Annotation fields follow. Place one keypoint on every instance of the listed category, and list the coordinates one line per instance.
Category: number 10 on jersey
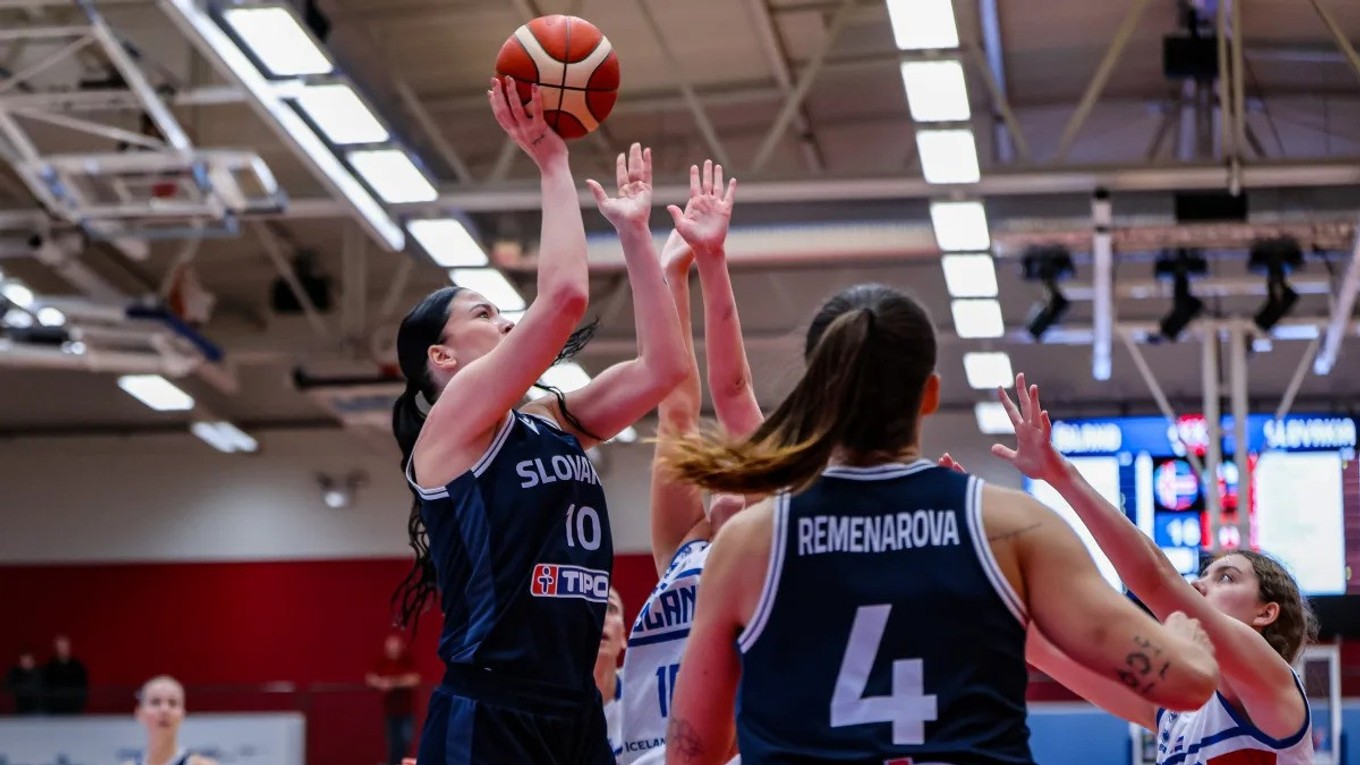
(665, 686)
(585, 522)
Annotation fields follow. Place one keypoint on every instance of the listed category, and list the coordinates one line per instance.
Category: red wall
(225, 629)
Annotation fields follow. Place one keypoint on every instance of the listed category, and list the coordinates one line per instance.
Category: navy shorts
(479, 718)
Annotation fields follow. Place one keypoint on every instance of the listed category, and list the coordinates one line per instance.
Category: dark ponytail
(869, 352)
(574, 345)
(420, 329)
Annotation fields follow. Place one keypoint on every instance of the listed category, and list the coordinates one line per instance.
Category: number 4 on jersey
(908, 708)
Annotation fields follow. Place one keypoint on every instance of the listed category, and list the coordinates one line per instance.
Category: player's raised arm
(623, 393)
(704, 224)
(1257, 673)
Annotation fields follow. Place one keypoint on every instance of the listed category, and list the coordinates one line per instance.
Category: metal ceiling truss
(129, 186)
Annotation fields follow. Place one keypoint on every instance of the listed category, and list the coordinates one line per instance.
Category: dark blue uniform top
(522, 545)
(885, 631)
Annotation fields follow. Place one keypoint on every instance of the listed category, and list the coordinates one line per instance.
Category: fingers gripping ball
(574, 66)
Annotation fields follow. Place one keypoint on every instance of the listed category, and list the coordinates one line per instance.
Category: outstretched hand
(525, 125)
(1033, 454)
(633, 205)
(706, 216)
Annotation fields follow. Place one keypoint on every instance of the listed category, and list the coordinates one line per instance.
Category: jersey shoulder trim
(779, 529)
(973, 512)
(1250, 728)
(477, 469)
(883, 472)
(685, 549)
(552, 422)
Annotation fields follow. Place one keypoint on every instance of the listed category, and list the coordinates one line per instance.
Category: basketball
(574, 66)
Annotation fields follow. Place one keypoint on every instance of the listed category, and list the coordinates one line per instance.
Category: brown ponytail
(869, 352)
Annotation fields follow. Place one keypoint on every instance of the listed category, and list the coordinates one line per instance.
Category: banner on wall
(231, 739)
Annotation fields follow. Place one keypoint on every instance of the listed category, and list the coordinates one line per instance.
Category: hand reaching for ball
(524, 124)
(633, 205)
(704, 222)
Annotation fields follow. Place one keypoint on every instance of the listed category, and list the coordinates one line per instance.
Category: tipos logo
(553, 581)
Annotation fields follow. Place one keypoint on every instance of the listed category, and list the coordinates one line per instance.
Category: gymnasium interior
(214, 213)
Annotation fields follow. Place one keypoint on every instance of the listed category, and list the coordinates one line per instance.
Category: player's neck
(847, 458)
(160, 750)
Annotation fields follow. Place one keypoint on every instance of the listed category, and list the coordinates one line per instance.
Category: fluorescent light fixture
(224, 437)
(960, 226)
(1295, 331)
(18, 319)
(212, 41)
(448, 242)
(977, 318)
(156, 392)
(936, 91)
(992, 418)
(971, 275)
(341, 114)
(18, 294)
(923, 24)
(51, 317)
(392, 175)
(626, 436)
(988, 370)
(948, 156)
(278, 41)
(493, 286)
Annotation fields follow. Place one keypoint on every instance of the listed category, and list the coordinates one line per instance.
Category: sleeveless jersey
(522, 547)
(1217, 734)
(886, 632)
(652, 663)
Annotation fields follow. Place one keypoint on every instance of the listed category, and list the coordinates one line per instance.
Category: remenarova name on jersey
(559, 467)
(820, 534)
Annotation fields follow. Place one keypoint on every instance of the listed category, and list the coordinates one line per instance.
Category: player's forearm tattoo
(682, 739)
(1144, 666)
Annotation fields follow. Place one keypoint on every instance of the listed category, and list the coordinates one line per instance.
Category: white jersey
(1217, 734)
(652, 663)
(613, 714)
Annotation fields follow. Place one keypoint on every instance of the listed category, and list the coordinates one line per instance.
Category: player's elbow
(568, 299)
(1195, 682)
(666, 371)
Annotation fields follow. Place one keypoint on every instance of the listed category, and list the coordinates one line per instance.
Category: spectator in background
(608, 677)
(24, 683)
(395, 675)
(65, 681)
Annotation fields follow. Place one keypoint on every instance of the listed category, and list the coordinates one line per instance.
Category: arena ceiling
(1063, 101)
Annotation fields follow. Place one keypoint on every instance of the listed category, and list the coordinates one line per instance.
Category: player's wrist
(555, 164)
(633, 227)
(1060, 472)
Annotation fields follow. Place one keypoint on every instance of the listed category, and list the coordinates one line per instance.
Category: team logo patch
(554, 581)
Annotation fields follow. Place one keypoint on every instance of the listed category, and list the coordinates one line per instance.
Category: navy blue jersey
(522, 546)
(885, 632)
